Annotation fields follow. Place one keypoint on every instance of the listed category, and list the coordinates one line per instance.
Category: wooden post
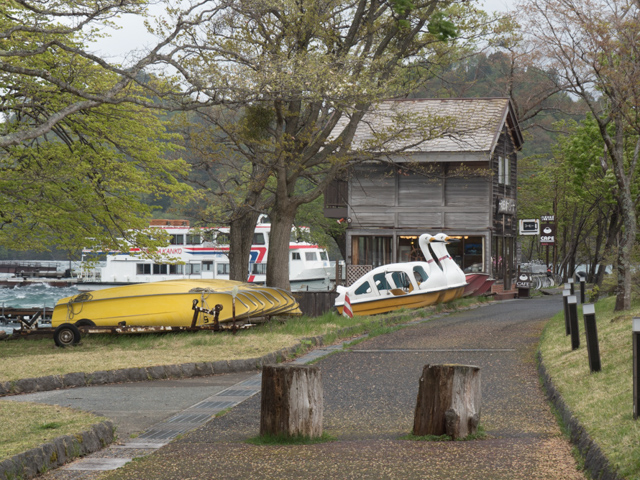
(292, 403)
(449, 400)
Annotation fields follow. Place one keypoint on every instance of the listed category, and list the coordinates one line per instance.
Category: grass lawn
(603, 401)
(27, 425)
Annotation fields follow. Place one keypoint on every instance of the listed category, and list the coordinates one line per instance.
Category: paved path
(370, 393)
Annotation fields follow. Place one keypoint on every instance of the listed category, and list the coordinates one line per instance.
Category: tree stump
(449, 401)
(291, 403)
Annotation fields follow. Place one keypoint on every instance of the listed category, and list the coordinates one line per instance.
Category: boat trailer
(67, 334)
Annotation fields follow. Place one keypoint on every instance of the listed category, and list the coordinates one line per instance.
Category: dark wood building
(459, 178)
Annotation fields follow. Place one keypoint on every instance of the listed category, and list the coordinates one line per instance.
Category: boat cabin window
(324, 256)
(160, 269)
(176, 239)
(194, 239)
(222, 239)
(310, 256)
(207, 266)
(258, 239)
(420, 274)
(192, 268)
(143, 269)
(176, 269)
(259, 268)
(295, 256)
(381, 281)
(364, 288)
(223, 269)
(400, 279)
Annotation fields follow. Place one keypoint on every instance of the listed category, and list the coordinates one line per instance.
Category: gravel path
(370, 394)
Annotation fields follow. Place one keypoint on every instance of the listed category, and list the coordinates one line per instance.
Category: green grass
(603, 401)
(27, 425)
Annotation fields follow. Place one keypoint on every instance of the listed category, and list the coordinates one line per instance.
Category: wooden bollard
(291, 402)
(449, 401)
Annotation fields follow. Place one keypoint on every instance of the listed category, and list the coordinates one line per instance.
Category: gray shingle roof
(433, 125)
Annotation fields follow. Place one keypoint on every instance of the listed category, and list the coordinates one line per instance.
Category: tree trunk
(449, 400)
(291, 403)
(278, 257)
(240, 239)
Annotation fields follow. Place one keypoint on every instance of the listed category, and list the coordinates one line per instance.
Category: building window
(223, 269)
(295, 255)
(143, 269)
(370, 250)
(193, 268)
(504, 174)
(310, 256)
(324, 256)
(207, 266)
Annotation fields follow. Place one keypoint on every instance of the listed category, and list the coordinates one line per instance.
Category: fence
(315, 304)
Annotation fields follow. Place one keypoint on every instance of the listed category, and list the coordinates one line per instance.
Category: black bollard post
(636, 365)
(572, 303)
(571, 286)
(582, 288)
(591, 332)
(565, 296)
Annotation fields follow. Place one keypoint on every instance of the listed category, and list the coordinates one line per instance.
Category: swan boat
(407, 285)
(172, 303)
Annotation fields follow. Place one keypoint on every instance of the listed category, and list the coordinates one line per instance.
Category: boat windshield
(362, 289)
(420, 274)
(381, 282)
(401, 279)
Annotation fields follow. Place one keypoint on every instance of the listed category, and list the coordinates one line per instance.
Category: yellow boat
(170, 303)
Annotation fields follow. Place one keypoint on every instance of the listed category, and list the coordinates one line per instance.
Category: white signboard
(530, 227)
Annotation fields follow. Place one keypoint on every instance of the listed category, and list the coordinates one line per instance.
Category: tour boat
(199, 253)
(404, 285)
(171, 302)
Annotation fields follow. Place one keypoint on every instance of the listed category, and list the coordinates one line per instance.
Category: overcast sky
(134, 35)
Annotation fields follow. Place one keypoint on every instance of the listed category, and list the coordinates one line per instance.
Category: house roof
(433, 125)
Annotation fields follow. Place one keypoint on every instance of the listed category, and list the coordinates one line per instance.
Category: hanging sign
(548, 234)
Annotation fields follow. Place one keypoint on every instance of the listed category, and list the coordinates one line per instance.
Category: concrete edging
(57, 452)
(595, 462)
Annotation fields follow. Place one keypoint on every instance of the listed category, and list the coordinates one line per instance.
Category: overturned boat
(173, 303)
(406, 285)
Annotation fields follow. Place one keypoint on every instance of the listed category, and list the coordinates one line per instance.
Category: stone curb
(57, 452)
(595, 461)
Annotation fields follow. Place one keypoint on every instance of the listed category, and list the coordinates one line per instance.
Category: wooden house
(457, 176)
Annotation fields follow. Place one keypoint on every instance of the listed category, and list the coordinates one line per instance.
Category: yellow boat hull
(390, 303)
(171, 303)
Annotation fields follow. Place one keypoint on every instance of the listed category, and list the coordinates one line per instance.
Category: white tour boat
(201, 253)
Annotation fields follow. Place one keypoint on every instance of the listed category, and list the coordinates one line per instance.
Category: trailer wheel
(85, 322)
(66, 334)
